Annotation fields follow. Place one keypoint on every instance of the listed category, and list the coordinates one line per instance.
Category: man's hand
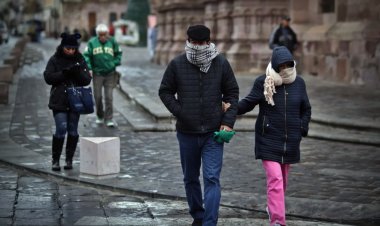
(226, 128)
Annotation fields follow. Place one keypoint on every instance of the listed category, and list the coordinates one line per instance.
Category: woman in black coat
(284, 116)
(65, 68)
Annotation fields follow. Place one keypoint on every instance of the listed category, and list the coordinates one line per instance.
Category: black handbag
(80, 99)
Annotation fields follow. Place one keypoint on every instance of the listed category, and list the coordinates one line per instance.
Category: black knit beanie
(198, 33)
(280, 55)
(70, 41)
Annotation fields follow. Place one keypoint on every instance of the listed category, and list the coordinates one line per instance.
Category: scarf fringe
(274, 79)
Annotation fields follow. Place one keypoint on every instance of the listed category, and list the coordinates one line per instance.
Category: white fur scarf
(274, 79)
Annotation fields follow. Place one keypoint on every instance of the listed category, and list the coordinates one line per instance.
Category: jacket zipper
(263, 125)
(286, 132)
(201, 98)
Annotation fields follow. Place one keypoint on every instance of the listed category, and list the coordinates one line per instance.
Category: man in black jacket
(284, 35)
(193, 87)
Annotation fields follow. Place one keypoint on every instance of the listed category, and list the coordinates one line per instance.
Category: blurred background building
(339, 39)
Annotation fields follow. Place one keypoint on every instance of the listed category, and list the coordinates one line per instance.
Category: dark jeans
(65, 122)
(194, 150)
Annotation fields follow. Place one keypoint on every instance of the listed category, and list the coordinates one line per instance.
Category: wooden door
(92, 23)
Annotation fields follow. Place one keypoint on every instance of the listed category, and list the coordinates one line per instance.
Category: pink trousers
(277, 177)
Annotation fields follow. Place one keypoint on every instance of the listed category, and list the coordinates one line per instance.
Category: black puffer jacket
(198, 106)
(279, 128)
(283, 36)
(59, 80)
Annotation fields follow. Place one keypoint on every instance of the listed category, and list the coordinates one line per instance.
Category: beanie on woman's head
(70, 41)
(280, 55)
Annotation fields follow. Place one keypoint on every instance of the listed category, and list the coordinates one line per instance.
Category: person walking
(192, 88)
(103, 55)
(284, 116)
(65, 68)
(283, 35)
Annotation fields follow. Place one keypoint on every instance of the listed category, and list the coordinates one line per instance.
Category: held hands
(225, 134)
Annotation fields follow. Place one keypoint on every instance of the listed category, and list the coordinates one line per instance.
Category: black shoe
(197, 222)
(69, 165)
(55, 166)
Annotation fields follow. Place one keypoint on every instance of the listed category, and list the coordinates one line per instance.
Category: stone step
(151, 115)
(138, 117)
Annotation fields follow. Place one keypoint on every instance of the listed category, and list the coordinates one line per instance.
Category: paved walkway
(336, 181)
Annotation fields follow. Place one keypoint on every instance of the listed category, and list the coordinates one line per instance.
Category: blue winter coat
(279, 128)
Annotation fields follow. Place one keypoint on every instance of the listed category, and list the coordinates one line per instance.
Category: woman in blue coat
(284, 116)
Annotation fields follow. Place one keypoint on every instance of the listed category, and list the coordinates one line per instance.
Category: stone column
(210, 15)
(224, 25)
(265, 17)
(179, 36)
(160, 36)
(185, 15)
(169, 26)
(239, 52)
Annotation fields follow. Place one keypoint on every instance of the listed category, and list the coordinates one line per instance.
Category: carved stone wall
(341, 43)
(75, 14)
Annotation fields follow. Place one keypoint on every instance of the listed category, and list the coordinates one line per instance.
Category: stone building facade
(84, 15)
(339, 39)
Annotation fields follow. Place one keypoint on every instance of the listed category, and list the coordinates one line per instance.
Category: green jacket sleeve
(88, 55)
(117, 53)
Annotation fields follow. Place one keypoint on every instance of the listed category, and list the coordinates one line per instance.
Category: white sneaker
(110, 123)
(99, 120)
(266, 208)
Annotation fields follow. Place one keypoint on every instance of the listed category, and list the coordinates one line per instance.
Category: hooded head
(285, 20)
(281, 55)
(199, 33)
(70, 41)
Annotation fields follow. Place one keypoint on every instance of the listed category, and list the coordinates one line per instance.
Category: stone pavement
(336, 181)
(32, 199)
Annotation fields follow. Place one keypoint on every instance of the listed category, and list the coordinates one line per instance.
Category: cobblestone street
(336, 182)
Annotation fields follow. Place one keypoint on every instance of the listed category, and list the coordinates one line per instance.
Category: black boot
(71, 146)
(56, 152)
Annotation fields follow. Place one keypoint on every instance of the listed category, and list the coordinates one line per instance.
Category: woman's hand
(225, 106)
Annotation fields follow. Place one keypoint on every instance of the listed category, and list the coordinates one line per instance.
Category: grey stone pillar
(184, 16)
(239, 53)
(224, 25)
(210, 17)
(169, 34)
(265, 17)
(160, 36)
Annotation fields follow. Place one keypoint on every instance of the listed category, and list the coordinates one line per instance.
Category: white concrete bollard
(99, 155)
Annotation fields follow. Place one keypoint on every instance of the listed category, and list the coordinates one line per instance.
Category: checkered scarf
(201, 56)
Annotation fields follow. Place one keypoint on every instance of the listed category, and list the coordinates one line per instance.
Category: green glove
(223, 136)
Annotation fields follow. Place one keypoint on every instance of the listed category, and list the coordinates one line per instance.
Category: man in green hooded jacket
(102, 55)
